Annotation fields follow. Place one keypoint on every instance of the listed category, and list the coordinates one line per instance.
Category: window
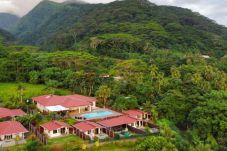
(8, 137)
(55, 131)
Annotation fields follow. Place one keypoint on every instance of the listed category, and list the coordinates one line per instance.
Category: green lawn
(115, 146)
(64, 140)
(72, 142)
(8, 91)
(16, 148)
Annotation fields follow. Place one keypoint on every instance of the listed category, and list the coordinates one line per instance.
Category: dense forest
(146, 56)
(133, 25)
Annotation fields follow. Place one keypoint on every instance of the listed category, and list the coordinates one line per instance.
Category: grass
(115, 146)
(66, 139)
(8, 91)
(16, 148)
(64, 143)
(72, 142)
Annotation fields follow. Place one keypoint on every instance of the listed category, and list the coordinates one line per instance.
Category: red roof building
(61, 103)
(86, 126)
(55, 128)
(117, 121)
(54, 125)
(87, 129)
(4, 112)
(11, 129)
(137, 114)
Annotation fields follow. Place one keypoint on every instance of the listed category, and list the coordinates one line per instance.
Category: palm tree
(103, 93)
(21, 89)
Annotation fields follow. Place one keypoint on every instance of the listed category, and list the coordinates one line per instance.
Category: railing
(136, 130)
(123, 138)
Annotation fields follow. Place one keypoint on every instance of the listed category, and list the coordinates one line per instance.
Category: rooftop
(4, 112)
(64, 101)
(86, 126)
(54, 125)
(11, 127)
(117, 121)
(134, 112)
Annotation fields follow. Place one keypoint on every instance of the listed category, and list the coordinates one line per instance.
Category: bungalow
(12, 130)
(139, 114)
(87, 128)
(4, 112)
(121, 123)
(71, 104)
(54, 129)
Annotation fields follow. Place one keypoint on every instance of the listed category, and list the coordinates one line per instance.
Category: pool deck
(98, 110)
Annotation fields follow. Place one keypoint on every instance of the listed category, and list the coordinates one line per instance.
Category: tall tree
(103, 93)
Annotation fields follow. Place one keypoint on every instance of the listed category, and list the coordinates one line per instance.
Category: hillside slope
(8, 20)
(34, 19)
(6, 36)
(129, 25)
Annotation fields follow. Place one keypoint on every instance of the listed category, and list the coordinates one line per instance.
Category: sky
(214, 9)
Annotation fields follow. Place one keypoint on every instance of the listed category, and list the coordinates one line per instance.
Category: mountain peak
(75, 2)
(141, 2)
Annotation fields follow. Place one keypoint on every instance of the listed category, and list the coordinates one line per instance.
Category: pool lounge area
(97, 114)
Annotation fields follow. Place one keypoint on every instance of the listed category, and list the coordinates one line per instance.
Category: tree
(124, 103)
(103, 93)
(34, 77)
(155, 143)
(209, 118)
(175, 73)
(150, 108)
(21, 89)
(173, 106)
(203, 147)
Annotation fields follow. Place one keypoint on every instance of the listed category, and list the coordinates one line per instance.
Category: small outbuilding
(55, 129)
(87, 129)
(139, 114)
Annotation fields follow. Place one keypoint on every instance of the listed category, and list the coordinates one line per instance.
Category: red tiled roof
(54, 125)
(133, 113)
(18, 112)
(86, 126)
(65, 101)
(121, 120)
(11, 127)
(4, 112)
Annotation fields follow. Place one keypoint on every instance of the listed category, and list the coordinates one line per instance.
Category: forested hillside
(5, 36)
(143, 26)
(8, 20)
(35, 19)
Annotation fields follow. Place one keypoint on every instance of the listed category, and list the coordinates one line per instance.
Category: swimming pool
(97, 114)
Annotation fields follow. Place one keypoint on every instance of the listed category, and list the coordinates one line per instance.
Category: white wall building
(55, 129)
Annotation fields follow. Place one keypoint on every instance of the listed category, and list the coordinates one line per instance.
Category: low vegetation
(12, 93)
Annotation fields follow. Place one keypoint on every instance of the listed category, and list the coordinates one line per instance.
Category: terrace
(122, 125)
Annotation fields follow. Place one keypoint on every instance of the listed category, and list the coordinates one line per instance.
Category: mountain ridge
(8, 20)
(167, 27)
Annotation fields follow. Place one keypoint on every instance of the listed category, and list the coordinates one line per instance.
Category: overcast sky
(214, 9)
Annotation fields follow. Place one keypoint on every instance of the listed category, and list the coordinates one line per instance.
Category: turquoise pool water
(98, 114)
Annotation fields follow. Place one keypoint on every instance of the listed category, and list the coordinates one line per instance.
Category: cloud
(19, 7)
(214, 9)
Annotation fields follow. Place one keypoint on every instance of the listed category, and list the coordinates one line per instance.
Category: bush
(117, 136)
(33, 145)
